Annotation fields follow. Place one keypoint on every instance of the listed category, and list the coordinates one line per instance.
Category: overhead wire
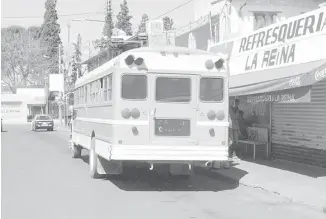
(60, 15)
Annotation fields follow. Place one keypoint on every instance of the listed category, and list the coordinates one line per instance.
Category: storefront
(279, 75)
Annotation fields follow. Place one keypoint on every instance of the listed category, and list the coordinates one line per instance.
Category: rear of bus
(172, 108)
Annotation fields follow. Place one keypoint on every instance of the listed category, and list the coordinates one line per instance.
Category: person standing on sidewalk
(234, 129)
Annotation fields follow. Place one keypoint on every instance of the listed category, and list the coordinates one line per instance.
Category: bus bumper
(168, 153)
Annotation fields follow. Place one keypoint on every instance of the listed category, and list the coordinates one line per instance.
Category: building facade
(239, 17)
(297, 131)
(26, 101)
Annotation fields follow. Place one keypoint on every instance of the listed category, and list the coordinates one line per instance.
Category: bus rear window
(211, 89)
(134, 87)
(173, 89)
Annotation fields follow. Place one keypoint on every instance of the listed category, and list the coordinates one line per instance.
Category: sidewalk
(297, 182)
(60, 127)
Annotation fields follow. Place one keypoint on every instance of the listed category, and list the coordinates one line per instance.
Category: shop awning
(250, 84)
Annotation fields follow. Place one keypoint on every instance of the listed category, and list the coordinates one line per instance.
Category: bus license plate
(172, 127)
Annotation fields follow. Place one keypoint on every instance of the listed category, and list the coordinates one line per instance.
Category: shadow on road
(142, 179)
(44, 130)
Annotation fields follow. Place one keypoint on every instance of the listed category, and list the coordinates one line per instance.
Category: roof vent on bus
(209, 64)
(139, 61)
(219, 63)
(130, 60)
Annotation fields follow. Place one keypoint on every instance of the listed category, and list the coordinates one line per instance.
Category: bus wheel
(93, 160)
(76, 151)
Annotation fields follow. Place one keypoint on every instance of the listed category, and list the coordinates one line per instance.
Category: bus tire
(93, 158)
(76, 151)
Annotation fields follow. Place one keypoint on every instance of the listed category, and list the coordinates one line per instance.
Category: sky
(32, 12)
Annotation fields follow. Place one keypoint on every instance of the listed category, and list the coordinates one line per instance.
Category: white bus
(156, 106)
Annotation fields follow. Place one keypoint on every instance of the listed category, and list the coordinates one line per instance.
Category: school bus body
(153, 105)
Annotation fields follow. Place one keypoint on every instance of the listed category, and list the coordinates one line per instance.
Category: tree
(104, 42)
(142, 26)
(108, 26)
(50, 36)
(168, 23)
(76, 70)
(21, 58)
(123, 19)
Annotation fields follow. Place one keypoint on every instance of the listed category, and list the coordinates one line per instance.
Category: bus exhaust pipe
(209, 164)
(151, 166)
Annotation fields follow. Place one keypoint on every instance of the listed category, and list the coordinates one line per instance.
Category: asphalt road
(41, 180)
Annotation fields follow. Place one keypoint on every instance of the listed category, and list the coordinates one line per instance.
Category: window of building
(263, 19)
(215, 28)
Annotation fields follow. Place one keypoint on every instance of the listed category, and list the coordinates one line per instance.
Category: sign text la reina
(303, 25)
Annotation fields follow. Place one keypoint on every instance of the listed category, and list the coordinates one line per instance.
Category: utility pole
(61, 92)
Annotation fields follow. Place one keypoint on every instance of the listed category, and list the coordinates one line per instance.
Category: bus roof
(103, 69)
(171, 49)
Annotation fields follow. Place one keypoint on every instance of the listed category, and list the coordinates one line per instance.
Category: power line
(60, 15)
(173, 9)
(93, 13)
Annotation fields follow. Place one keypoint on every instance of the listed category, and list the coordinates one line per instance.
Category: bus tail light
(126, 113)
(134, 130)
(211, 115)
(135, 113)
(220, 115)
(139, 61)
(130, 60)
(219, 63)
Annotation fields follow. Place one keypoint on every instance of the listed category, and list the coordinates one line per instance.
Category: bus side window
(86, 93)
(105, 94)
(91, 92)
(109, 89)
(77, 96)
(81, 95)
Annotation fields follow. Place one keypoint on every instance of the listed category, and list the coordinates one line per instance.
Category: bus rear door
(173, 110)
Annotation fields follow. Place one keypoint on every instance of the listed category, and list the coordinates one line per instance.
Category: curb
(243, 183)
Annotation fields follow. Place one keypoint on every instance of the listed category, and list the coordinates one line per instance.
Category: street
(41, 180)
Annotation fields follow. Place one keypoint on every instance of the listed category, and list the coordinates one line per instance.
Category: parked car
(42, 122)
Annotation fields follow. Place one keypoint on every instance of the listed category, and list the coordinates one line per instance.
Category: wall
(196, 38)
(299, 129)
(32, 96)
(13, 108)
(235, 24)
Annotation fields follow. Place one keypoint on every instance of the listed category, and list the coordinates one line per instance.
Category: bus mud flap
(109, 167)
